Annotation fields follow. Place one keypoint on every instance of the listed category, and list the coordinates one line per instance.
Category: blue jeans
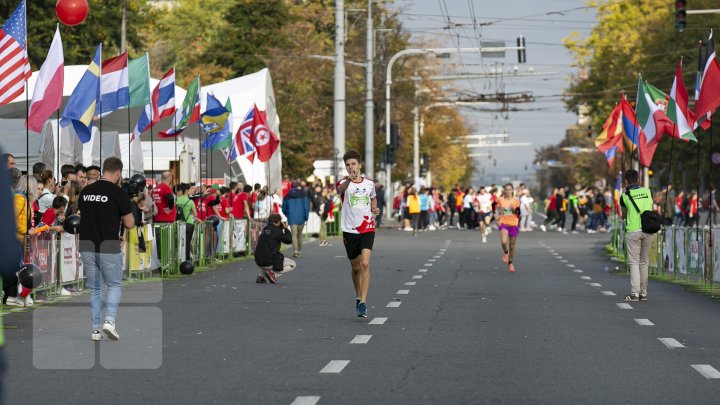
(107, 269)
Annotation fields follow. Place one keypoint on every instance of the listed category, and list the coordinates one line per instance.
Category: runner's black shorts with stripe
(356, 242)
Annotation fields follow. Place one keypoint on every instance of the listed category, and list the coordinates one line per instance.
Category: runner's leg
(512, 249)
(365, 268)
(357, 275)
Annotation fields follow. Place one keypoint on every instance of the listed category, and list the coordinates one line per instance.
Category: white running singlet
(356, 213)
(484, 202)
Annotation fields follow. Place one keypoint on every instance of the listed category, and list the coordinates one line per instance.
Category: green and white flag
(139, 78)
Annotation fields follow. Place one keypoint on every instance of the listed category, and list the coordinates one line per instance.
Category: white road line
(560, 257)
(595, 284)
(411, 283)
(418, 277)
(706, 370)
(644, 322)
(305, 401)
(671, 343)
(360, 339)
(577, 271)
(431, 260)
(586, 277)
(377, 321)
(443, 250)
(428, 264)
(436, 257)
(335, 366)
(403, 292)
(423, 270)
(570, 265)
(624, 305)
(393, 304)
(608, 293)
(563, 261)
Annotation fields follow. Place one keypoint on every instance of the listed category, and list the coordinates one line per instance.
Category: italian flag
(678, 111)
(650, 111)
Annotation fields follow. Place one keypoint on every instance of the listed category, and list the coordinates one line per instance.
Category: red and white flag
(264, 140)
(709, 97)
(14, 63)
(47, 95)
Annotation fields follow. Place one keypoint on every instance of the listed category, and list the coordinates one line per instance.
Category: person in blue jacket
(297, 210)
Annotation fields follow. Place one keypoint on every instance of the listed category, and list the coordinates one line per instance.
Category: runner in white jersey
(483, 201)
(359, 207)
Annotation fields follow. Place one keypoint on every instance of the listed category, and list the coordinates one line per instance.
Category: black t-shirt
(102, 205)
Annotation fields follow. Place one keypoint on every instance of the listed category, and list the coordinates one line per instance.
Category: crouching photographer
(105, 208)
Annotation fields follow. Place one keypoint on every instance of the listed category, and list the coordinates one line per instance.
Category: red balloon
(71, 12)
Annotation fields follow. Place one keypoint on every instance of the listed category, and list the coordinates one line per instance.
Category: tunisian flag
(48, 91)
(264, 140)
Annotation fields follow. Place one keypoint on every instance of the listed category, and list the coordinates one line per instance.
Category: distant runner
(508, 211)
(484, 208)
(359, 208)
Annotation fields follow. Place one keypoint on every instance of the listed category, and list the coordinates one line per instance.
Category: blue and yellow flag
(80, 108)
(215, 115)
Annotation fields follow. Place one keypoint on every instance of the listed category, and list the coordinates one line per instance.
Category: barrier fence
(153, 250)
(682, 254)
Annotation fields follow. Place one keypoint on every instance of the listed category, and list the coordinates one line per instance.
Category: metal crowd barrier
(681, 254)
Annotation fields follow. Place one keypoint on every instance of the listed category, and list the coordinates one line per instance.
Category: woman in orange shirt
(508, 215)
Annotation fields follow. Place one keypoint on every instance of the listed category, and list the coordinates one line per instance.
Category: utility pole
(123, 28)
(369, 105)
(339, 99)
(416, 131)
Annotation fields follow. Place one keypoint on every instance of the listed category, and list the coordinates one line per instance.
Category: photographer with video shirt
(104, 208)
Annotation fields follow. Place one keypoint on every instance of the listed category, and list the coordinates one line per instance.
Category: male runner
(359, 207)
(484, 204)
(508, 211)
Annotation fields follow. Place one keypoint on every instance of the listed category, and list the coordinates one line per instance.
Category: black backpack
(650, 221)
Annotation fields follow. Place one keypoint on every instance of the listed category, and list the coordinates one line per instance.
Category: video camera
(135, 185)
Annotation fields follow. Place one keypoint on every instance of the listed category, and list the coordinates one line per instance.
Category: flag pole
(667, 190)
(100, 102)
(697, 204)
(130, 134)
(712, 207)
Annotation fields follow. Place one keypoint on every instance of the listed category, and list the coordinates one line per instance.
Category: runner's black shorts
(356, 242)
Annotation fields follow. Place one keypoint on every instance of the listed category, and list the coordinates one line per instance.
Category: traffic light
(680, 15)
(424, 164)
(395, 136)
(390, 155)
(521, 52)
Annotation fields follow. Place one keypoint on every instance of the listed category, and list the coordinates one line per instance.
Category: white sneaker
(458, 226)
(110, 331)
(65, 292)
(484, 239)
(15, 301)
(96, 335)
(559, 229)
(29, 301)
(432, 228)
(408, 229)
(544, 229)
(574, 232)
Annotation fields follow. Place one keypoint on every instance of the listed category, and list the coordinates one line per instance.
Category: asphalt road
(447, 325)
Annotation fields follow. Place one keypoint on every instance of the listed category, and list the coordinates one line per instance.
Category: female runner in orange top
(508, 213)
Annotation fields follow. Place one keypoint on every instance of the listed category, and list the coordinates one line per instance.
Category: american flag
(14, 64)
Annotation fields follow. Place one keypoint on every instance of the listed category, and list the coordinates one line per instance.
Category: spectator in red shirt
(225, 208)
(286, 185)
(241, 206)
(165, 200)
(54, 217)
(253, 197)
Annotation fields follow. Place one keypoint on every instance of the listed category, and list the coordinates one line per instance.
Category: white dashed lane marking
(403, 292)
(671, 343)
(624, 305)
(563, 261)
(586, 277)
(418, 277)
(644, 322)
(570, 265)
(577, 271)
(305, 401)
(360, 339)
(595, 284)
(706, 370)
(393, 304)
(335, 366)
(431, 260)
(423, 270)
(377, 321)
(436, 257)
(428, 264)
(608, 293)
(411, 283)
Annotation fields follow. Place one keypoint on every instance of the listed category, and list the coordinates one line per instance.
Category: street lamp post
(369, 105)
(388, 84)
(339, 99)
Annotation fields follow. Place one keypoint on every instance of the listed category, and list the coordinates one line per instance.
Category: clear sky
(544, 23)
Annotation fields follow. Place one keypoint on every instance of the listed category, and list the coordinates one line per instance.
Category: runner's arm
(373, 206)
(343, 185)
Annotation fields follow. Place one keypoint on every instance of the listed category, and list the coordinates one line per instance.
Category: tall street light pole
(388, 84)
(339, 99)
(369, 105)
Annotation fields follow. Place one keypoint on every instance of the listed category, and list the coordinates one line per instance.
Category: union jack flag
(241, 144)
